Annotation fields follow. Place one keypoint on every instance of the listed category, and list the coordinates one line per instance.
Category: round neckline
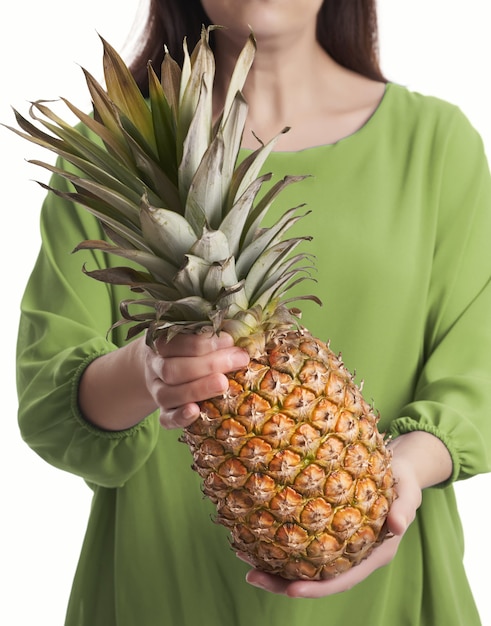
(355, 135)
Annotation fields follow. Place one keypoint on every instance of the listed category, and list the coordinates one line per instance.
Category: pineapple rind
(293, 460)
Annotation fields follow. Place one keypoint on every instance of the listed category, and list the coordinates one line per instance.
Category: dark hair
(346, 29)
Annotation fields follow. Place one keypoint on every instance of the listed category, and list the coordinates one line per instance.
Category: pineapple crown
(163, 180)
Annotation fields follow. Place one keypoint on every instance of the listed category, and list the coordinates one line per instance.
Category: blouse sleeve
(452, 397)
(65, 318)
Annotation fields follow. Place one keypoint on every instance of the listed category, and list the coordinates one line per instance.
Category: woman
(401, 198)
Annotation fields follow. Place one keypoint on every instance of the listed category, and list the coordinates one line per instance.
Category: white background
(437, 47)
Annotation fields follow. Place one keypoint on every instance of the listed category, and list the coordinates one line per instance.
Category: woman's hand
(188, 369)
(119, 389)
(414, 468)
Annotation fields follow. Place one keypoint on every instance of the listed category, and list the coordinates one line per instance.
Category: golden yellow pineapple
(293, 460)
(291, 454)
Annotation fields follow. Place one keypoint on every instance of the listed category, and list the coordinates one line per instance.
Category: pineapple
(290, 455)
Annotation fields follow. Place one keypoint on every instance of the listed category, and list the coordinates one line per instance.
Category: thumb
(404, 507)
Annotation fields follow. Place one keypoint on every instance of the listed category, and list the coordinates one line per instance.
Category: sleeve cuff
(403, 425)
(77, 413)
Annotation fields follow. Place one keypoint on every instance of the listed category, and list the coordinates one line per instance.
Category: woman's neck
(295, 83)
(279, 84)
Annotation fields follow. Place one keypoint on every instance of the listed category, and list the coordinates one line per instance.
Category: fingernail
(223, 340)
(188, 414)
(218, 386)
(239, 359)
(254, 583)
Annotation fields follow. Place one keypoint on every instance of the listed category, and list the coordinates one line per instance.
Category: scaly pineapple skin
(293, 460)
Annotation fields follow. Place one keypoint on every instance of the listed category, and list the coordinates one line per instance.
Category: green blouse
(401, 218)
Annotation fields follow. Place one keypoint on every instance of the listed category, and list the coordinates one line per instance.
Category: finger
(193, 344)
(401, 515)
(181, 417)
(403, 510)
(171, 397)
(183, 369)
(273, 584)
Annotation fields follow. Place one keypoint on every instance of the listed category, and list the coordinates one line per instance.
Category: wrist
(427, 455)
(113, 394)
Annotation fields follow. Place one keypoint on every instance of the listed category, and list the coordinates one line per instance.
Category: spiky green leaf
(74, 142)
(125, 93)
(104, 213)
(124, 205)
(234, 222)
(160, 269)
(240, 73)
(197, 69)
(204, 201)
(106, 113)
(232, 131)
(170, 78)
(168, 234)
(268, 259)
(189, 279)
(163, 126)
(212, 246)
(265, 238)
(196, 142)
(260, 210)
(250, 168)
(221, 276)
(154, 176)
